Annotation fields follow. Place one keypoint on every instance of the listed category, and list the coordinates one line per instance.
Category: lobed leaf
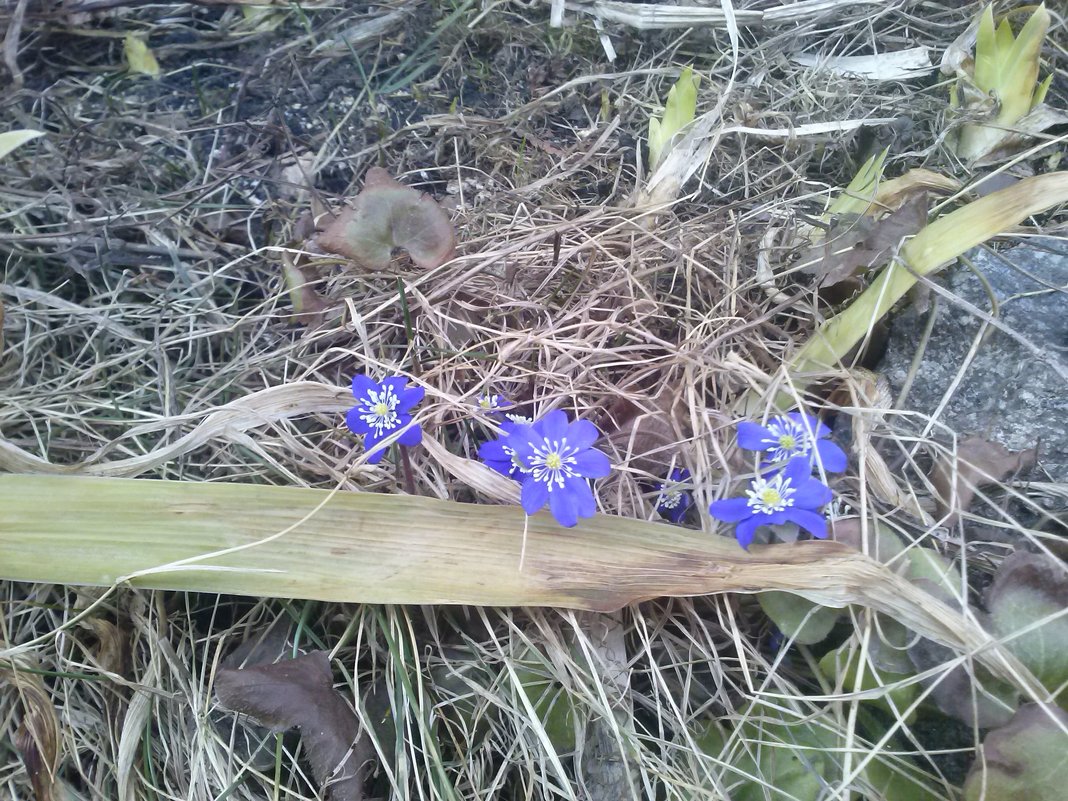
(1027, 758)
(976, 461)
(388, 215)
(300, 693)
(1027, 604)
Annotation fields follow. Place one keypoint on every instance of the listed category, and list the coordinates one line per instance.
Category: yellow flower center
(380, 409)
(787, 442)
(553, 461)
(770, 497)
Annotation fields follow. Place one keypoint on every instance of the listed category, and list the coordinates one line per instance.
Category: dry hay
(144, 299)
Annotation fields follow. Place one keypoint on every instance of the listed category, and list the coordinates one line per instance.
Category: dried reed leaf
(300, 693)
(222, 423)
(270, 541)
(9, 140)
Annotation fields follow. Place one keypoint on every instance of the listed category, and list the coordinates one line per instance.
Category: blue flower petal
(412, 435)
(812, 522)
(730, 510)
(583, 495)
(553, 425)
(752, 437)
(592, 463)
(811, 424)
(407, 398)
(798, 470)
(745, 530)
(534, 495)
(494, 449)
(812, 494)
(362, 386)
(562, 505)
(833, 458)
(374, 450)
(582, 434)
(355, 423)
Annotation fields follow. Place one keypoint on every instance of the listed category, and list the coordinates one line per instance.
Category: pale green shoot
(679, 111)
(1004, 73)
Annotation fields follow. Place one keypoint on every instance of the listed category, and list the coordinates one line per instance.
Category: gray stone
(1013, 392)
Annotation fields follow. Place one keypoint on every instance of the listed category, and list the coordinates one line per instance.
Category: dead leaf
(300, 692)
(387, 215)
(644, 439)
(978, 462)
(308, 305)
(856, 243)
(37, 737)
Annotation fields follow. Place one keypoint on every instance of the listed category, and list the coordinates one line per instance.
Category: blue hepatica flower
(789, 495)
(383, 409)
(500, 455)
(791, 435)
(672, 502)
(559, 460)
(493, 403)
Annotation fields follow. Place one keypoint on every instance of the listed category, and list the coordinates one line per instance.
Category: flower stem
(406, 466)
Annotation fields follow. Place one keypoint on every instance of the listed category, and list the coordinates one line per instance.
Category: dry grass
(142, 289)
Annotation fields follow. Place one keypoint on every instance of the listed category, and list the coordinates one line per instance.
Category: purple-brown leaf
(300, 692)
(857, 243)
(978, 461)
(387, 215)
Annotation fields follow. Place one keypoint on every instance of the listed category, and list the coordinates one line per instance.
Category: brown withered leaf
(856, 243)
(645, 439)
(387, 215)
(37, 737)
(300, 692)
(978, 462)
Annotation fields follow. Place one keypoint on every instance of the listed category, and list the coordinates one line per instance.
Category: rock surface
(1010, 392)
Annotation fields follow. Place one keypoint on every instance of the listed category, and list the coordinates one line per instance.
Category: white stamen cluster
(767, 496)
(553, 462)
(789, 438)
(669, 499)
(380, 410)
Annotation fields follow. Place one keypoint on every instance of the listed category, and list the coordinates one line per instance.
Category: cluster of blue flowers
(554, 460)
(784, 490)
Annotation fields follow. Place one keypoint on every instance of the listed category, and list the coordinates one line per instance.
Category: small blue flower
(560, 460)
(672, 502)
(790, 435)
(500, 455)
(382, 410)
(493, 403)
(789, 495)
